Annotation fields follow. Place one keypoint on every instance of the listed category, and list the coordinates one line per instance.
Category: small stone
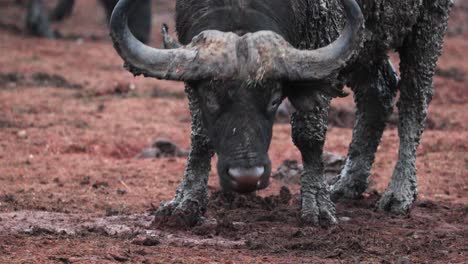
(168, 148)
(8, 198)
(121, 192)
(404, 260)
(148, 153)
(123, 88)
(22, 134)
(119, 258)
(85, 181)
(344, 219)
(100, 185)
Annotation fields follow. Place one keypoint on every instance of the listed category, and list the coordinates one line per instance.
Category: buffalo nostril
(246, 179)
(246, 172)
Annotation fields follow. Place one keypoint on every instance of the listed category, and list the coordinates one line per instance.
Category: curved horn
(214, 54)
(172, 64)
(309, 65)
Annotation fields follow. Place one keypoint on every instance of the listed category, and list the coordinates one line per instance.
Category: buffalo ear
(305, 96)
(168, 41)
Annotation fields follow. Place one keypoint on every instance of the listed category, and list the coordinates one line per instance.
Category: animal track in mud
(135, 227)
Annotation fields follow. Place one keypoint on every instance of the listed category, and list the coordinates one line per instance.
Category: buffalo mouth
(243, 178)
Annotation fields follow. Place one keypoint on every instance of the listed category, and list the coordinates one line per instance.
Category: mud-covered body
(231, 118)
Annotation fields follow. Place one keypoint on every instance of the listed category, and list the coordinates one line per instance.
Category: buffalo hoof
(347, 189)
(186, 213)
(318, 209)
(397, 201)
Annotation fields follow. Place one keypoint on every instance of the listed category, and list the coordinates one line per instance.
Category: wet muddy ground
(72, 122)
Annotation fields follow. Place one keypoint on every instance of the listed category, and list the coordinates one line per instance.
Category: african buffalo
(241, 58)
(37, 18)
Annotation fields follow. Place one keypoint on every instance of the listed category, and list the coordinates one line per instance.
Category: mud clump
(228, 200)
(233, 214)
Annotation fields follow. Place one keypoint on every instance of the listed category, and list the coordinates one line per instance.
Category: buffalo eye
(274, 103)
(212, 103)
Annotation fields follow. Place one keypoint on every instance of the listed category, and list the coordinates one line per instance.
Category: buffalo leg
(139, 20)
(191, 199)
(37, 21)
(309, 125)
(63, 9)
(374, 91)
(419, 56)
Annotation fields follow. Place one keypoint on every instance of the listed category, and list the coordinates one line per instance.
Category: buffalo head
(239, 84)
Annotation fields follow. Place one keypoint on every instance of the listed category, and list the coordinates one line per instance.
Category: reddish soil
(72, 120)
